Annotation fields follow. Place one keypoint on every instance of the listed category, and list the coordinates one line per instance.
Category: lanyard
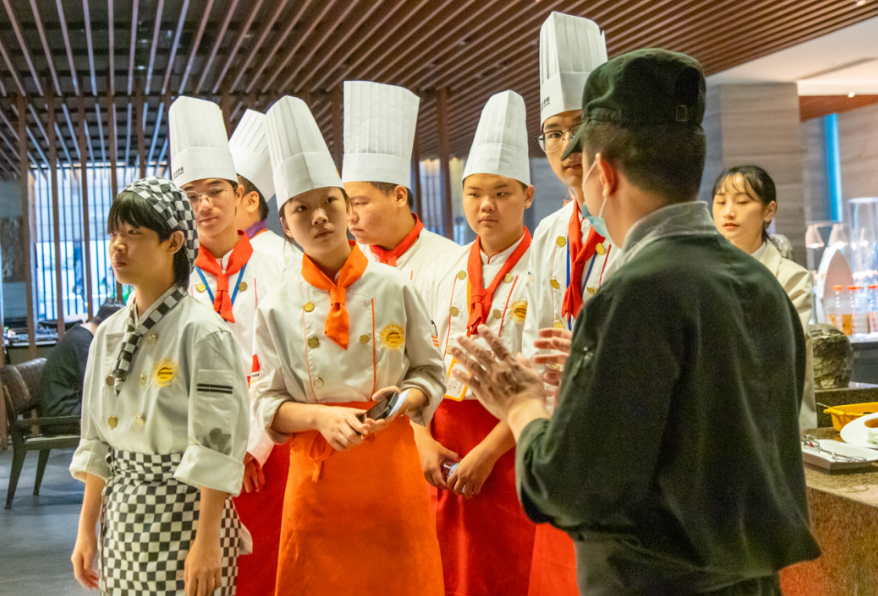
(207, 286)
(584, 278)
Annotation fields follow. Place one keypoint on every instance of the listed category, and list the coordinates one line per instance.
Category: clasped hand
(343, 430)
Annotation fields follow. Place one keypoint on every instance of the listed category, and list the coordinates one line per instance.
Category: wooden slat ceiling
(254, 51)
(816, 106)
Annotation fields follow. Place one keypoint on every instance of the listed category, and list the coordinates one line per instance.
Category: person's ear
(401, 196)
(770, 212)
(529, 196)
(251, 202)
(176, 242)
(607, 174)
(283, 222)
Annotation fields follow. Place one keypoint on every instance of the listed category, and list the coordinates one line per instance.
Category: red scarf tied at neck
(481, 299)
(222, 301)
(389, 257)
(579, 255)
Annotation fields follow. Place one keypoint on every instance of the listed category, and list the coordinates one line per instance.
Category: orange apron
(487, 542)
(261, 513)
(554, 564)
(358, 521)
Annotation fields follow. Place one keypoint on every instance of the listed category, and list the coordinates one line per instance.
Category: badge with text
(164, 373)
(455, 389)
(393, 337)
(519, 310)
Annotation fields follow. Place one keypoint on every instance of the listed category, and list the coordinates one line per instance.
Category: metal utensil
(811, 442)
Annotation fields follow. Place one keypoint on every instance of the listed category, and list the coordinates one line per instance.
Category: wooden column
(168, 172)
(337, 107)
(114, 181)
(141, 141)
(56, 216)
(416, 177)
(25, 214)
(444, 160)
(86, 225)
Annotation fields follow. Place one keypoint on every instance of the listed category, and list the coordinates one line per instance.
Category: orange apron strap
(315, 445)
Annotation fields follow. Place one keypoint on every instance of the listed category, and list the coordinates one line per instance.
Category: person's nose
(488, 205)
(320, 217)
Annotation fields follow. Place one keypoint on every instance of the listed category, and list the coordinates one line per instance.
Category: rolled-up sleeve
(90, 456)
(427, 369)
(268, 390)
(219, 416)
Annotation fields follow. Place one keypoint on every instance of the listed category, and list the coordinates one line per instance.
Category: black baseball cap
(642, 87)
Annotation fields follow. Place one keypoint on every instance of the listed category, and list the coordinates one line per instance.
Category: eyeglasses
(556, 139)
(212, 195)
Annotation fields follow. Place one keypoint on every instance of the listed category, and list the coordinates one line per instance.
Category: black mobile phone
(376, 412)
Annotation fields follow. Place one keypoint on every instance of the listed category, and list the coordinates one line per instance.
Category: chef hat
(199, 143)
(500, 145)
(249, 147)
(299, 156)
(379, 131)
(570, 48)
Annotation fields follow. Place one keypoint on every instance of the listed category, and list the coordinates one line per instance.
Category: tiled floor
(37, 534)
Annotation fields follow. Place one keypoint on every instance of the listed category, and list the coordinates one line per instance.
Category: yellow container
(841, 415)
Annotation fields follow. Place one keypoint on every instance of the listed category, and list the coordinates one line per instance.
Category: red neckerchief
(337, 326)
(579, 255)
(481, 299)
(222, 302)
(389, 257)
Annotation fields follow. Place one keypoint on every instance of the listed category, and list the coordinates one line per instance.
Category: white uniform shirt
(185, 393)
(277, 247)
(429, 252)
(390, 344)
(261, 276)
(448, 303)
(550, 263)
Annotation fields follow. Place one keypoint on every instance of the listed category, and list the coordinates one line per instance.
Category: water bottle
(872, 293)
(861, 311)
(832, 306)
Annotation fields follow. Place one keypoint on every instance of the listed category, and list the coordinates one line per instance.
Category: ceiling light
(141, 67)
(860, 3)
(852, 94)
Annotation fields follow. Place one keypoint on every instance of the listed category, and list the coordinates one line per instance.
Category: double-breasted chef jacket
(550, 274)
(420, 260)
(278, 248)
(186, 392)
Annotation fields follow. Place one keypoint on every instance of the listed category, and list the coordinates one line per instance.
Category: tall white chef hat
(249, 147)
(500, 144)
(199, 143)
(570, 48)
(300, 159)
(379, 131)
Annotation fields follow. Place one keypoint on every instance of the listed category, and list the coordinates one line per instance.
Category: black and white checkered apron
(148, 521)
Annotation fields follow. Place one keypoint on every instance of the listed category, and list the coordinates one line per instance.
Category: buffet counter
(844, 519)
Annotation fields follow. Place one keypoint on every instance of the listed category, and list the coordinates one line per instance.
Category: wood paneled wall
(858, 147)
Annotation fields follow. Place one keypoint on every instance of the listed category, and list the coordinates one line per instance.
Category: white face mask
(596, 221)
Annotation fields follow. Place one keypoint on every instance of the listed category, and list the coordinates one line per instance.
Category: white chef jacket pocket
(211, 412)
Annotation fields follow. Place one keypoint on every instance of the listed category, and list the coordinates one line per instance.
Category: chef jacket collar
(691, 218)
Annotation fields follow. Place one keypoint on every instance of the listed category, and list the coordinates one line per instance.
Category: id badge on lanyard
(455, 390)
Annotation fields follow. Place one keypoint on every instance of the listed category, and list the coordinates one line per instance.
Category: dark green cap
(649, 86)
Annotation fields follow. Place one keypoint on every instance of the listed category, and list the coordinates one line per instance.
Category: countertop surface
(857, 486)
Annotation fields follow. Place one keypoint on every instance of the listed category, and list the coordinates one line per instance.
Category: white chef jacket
(449, 309)
(429, 251)
(277, 247)
(163, 406)
(390, 344)
(261, 276)
(550, 263)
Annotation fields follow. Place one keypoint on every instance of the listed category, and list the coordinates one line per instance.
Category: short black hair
(756, 179)
(388, 187)
(132, 209)
(110, 307)
(666, 159)
(523, 185)
(250, 187)
(283, 220)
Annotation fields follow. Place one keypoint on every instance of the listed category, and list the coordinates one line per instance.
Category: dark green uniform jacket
(676, 441)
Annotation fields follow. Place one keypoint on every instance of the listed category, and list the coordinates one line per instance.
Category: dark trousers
(606, 566)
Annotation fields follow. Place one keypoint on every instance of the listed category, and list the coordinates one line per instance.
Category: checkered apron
(148, 522)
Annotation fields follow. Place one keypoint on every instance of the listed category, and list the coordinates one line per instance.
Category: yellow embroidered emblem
(393, 337)
(519, 310)
(600, 249)
(164, 373)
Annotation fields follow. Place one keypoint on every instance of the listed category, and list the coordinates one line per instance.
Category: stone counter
(844, 519)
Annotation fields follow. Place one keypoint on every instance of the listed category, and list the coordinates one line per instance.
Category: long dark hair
(131, 209)
(757, 185)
